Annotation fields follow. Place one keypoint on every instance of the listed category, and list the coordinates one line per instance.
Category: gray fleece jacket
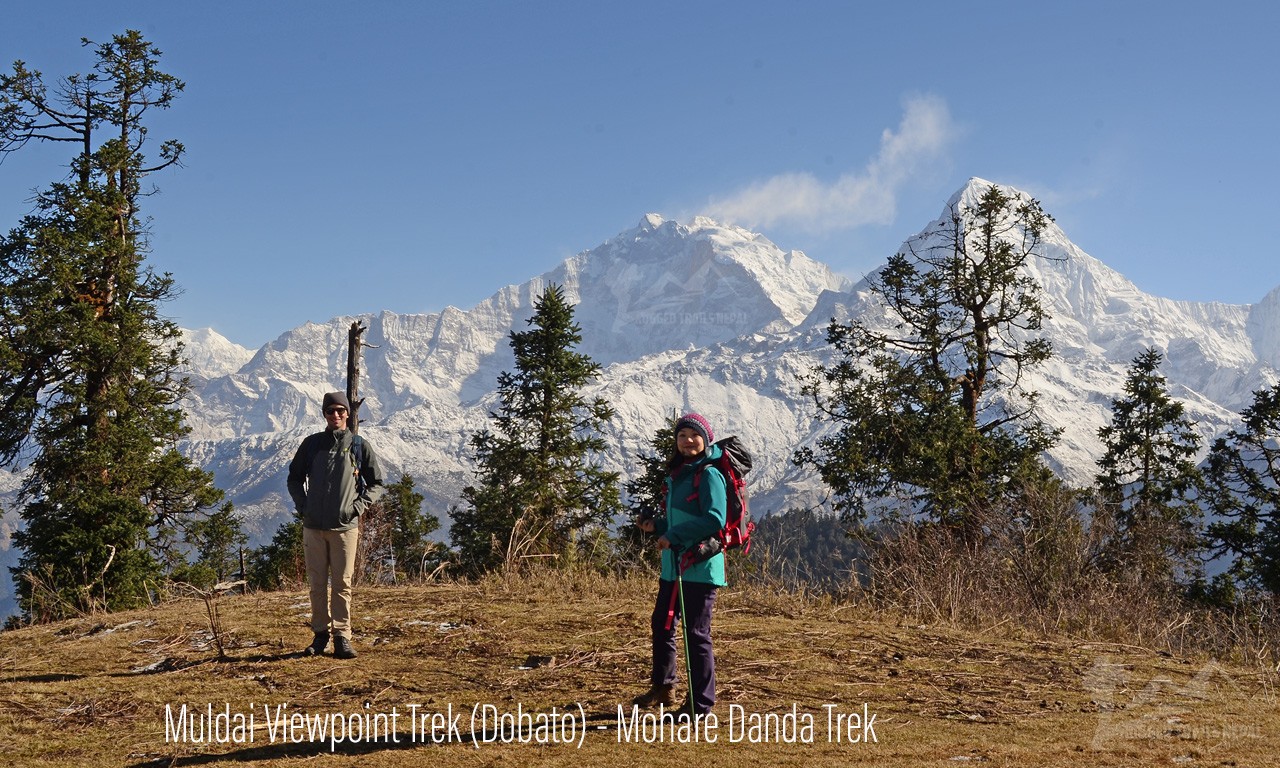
(322, 480)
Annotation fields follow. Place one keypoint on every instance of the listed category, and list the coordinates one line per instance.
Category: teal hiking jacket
(692, 518)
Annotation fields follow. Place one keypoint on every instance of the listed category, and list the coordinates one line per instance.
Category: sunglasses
(331, 411)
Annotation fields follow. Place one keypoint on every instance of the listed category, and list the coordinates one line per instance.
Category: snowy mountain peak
(1264, 328)
(707, 317)
(976, 187)
(650, 222)
(648, 290)
(667, 285)
(212, 354)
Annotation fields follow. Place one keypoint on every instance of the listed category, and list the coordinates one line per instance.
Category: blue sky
(441, 150)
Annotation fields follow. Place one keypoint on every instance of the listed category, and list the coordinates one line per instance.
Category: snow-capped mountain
(210, 354)
(698, 316)
(1216, 354)
(653, 303)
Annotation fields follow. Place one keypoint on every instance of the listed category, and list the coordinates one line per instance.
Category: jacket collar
(711, 454)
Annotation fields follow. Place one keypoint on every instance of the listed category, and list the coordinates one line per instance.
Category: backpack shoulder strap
(697, 479)
(357, 458)
(312, 446)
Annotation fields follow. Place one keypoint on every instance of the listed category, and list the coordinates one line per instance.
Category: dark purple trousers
(699, 599)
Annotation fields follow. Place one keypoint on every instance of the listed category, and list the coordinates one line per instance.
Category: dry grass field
(531, 670)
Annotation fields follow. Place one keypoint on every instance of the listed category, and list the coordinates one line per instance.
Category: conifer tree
(89, 380)
(1148, 475)
(931, 412)
(281, 562)
(1243, 491)
(538, 487)
(217, 541)
(646, 495)
(395, 533)
(410, 538)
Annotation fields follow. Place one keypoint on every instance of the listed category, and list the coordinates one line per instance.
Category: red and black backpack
(734, 463)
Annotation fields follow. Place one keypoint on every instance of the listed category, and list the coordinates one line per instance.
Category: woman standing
(697, 503)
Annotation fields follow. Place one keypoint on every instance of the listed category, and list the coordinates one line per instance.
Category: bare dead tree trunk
(354, 347)
(365, 547)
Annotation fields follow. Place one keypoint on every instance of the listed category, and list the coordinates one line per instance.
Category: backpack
(734, 463)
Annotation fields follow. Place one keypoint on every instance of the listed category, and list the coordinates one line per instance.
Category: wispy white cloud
(856, 198)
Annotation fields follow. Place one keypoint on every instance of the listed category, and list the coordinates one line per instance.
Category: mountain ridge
(709, 317)
(685, 316)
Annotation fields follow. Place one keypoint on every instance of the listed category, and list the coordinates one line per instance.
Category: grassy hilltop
(95, 691)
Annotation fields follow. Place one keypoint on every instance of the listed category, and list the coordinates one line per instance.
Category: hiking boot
(342, 648)
(658, 695)
(318, 644)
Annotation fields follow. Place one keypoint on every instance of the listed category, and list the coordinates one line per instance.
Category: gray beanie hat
(335, 398)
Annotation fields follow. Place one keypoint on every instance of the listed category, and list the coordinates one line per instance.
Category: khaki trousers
(331, 562)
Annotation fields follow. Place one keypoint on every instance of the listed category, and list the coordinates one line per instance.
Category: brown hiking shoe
(655, 696)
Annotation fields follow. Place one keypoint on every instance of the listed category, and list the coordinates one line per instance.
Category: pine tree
(218, 541)
(646, 496)
(281, 562)
(932, 412)
(1243, 491)
(1148, 475)
(88, 366)
(411, 539)
(538, 489)
(395, 533)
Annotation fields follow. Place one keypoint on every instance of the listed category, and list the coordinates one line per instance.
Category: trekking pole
(684, 635)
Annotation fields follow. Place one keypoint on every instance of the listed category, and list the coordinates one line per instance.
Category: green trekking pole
(684, 635)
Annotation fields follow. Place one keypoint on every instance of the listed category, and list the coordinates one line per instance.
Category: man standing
(333, 478)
